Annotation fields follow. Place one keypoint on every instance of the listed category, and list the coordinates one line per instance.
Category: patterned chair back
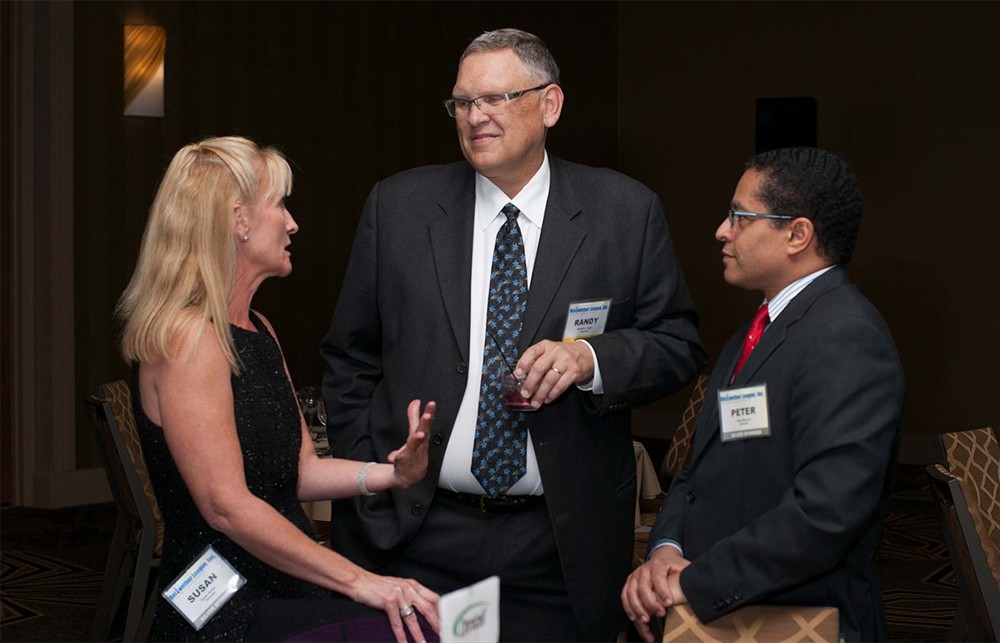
(680, 443)
(968, 494)
(974, 458)
(116, 400)
(754, 624)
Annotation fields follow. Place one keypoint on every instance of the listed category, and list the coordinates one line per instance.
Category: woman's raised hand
(409, 461)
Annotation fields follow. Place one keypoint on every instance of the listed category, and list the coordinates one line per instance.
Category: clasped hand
(409, 462)
(652, 588)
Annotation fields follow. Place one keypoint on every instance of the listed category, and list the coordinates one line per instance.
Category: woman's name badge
(586, 319)
(743, 413)
(204, 587)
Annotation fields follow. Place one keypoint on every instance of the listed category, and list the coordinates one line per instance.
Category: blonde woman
(225, 443)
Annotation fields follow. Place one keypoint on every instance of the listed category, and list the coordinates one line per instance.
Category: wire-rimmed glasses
(489, 104)
(757, 215)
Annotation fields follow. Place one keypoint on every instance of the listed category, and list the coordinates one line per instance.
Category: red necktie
(757, 326)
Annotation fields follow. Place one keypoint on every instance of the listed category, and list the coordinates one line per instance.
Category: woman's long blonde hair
(187, 260)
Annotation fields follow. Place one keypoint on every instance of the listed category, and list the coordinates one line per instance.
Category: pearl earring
(246, 237)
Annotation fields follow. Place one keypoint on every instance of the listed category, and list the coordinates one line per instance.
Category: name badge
(743, 413)
(203, 588)
(471, 613)
(586, 319)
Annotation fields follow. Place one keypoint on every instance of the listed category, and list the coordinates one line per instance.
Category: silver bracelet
(362, 472)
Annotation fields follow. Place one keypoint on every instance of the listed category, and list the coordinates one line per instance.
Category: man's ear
(800, 234)
(552, 102)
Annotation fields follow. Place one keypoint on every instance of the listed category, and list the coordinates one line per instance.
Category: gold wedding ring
(558, 372)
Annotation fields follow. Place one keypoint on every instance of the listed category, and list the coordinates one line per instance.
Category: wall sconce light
(145, 46)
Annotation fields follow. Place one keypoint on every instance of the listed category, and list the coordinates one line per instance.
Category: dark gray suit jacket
(401, 331)
(796, 518)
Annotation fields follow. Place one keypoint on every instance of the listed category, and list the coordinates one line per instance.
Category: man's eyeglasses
(756, 215)
(489, 104)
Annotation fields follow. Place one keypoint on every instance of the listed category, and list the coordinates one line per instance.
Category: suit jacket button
(737, 595)
(691, 497)
(462, 367)
(438, 439)
(416, 510)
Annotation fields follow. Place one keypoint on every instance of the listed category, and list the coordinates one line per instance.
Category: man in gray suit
(508, 258)
(780, 500)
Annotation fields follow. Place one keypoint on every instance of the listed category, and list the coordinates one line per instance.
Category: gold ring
(406, 611)
(558, 372)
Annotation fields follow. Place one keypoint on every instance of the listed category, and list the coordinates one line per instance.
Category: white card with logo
(204, 587)
(743, 413)
(586, 319)
(471, 613)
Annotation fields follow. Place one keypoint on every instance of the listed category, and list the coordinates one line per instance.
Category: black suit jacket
(796, 518)
(401, 331)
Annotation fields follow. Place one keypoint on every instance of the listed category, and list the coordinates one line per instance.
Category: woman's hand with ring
(400, 599)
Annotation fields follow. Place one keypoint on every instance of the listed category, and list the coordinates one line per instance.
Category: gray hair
(528, 48)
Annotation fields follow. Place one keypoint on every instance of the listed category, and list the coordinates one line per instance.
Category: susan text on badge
(211, 578)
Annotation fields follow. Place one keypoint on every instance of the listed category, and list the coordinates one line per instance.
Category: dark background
(665, 92)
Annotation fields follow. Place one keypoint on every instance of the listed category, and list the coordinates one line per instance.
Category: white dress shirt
(456, 469)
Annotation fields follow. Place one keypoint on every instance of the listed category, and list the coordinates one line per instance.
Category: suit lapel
(777, 331)
(562, 233)
(774, 337)
(451, 245)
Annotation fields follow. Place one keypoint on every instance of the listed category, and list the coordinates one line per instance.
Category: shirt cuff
(666, 542)
(596, 384)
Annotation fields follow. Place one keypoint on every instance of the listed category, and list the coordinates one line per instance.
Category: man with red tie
(780, 499)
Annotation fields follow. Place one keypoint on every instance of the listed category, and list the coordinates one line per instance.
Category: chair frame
(133, 545)
(977, 611)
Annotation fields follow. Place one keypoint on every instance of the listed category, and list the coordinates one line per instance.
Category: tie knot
(763, 317)
(510, 211)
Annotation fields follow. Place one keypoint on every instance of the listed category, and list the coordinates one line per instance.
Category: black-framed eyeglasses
(489, 104)
(757, 215)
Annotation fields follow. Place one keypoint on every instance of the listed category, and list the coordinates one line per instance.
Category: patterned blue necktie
(498, 454)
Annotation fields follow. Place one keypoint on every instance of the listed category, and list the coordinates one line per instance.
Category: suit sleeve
(659, 352)
(844, 411)
(352, 348)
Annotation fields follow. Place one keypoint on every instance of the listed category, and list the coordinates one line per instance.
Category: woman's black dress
(267, 422)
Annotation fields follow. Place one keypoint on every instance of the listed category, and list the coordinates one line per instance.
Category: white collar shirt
(456, 469)
(780, 301)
